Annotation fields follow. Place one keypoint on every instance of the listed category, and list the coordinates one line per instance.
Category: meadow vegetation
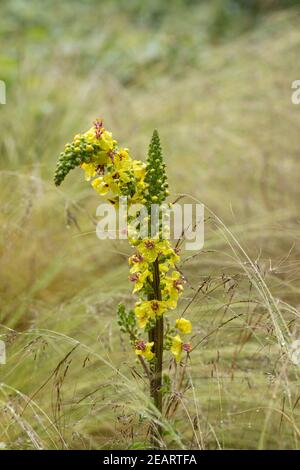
(215, 79)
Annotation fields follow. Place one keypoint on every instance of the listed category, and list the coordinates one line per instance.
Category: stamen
(98, 124)
(134, 277)
(187, 347)
(155, 306)
(141, 345)
(149, 245)
(137, 258)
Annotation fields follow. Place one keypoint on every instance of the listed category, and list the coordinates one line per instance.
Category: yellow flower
(184, 325)
(137, 263)
(89, 135)
(176, 347)
(90, 170)
(157, 307)
(100, 157)
(140, 278)
(112, 180)
(98, 135)
(106, 141)
(100, 185)
(163, 268)
(142, 313)
(168, 251)
(173, 287)
(148, 310)
(144, 349)
(150, 249)
(121, 160)
(139, 169)
(138, 196)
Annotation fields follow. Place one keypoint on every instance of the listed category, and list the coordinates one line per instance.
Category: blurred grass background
(215, 79)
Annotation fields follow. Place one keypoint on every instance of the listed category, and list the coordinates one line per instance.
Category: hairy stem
(156, 334)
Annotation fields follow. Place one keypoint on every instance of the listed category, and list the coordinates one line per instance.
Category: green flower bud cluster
(75, 153)
(156, 178)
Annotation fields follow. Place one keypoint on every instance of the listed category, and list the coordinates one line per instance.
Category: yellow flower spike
(184, 326)
(114, 173)
(176, 348)
(144, 349)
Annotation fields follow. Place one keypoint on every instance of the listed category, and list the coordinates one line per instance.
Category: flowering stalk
(157, 282)
(156, 334)
(156, 193)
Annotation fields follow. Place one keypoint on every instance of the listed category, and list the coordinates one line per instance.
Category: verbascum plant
(158, 284)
